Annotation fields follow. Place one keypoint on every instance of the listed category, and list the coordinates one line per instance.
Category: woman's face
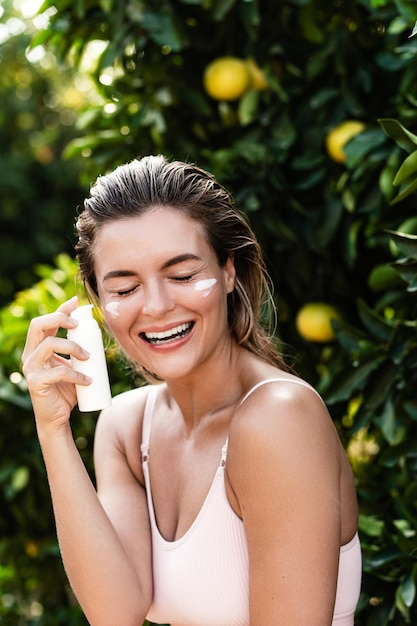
(163, 293)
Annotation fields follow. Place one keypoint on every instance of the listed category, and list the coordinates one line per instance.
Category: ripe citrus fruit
(337, 138)
(256, 75)
(408, 227)
(313, 321)
(226, 78)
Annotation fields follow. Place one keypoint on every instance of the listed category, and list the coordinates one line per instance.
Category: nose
(157, 300)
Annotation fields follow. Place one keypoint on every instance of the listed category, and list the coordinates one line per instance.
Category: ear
(229, 274)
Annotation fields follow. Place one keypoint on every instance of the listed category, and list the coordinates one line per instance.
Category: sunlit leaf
(407, 244)
(405, 192)
(408, 590)
(407, 169)
(371, 525)
(403, 137)
(414, 31)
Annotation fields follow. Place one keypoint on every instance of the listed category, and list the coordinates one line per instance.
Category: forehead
(155, 235)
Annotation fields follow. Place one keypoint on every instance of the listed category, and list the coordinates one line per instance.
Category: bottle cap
(84, 312)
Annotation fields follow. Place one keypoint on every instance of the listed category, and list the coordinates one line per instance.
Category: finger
(48, 350)
(69, 305)
(48, 325)
(41, 380)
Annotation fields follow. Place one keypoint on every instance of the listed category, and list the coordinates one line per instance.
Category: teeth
(168, 334)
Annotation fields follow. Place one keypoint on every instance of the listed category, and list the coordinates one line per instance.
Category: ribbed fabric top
(202, 579)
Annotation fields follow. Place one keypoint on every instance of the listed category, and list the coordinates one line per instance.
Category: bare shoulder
(285, 424)
(282, 405)
(119, 431)
(125, 411)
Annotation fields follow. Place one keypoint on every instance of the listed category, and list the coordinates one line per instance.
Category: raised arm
(284, 465)
(102, 561)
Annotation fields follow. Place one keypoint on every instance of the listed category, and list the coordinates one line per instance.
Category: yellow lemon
(313, 321)
(257, 77)
(226, 78)
(337, 138)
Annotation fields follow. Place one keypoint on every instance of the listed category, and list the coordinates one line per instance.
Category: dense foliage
(325, 226)
(38, 189)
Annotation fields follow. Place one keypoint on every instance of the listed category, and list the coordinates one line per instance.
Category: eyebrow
(176, 260)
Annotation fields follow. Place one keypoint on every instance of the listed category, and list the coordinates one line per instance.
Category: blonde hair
(136, 187)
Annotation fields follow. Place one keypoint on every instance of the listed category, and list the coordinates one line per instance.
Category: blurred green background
(88, 84)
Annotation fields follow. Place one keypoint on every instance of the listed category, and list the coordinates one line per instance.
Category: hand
(50, 378)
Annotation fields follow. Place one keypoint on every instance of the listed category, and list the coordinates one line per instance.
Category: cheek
(112, 311)
(117, 316)
(207, 296)
(202, 294)
(205, 287)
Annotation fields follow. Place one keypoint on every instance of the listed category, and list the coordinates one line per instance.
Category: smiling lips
(168, 335)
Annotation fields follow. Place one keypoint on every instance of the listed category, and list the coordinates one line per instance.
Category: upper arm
(118, 484)
(284, 467)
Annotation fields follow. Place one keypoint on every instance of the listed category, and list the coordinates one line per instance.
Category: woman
(224, 497)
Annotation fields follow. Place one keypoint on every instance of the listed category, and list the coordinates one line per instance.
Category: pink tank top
(202, 579)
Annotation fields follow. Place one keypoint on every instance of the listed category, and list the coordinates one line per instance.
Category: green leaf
(410, 408)
(20, 479)
(408, 590)
(379, 386)
(248, 107)
(392, 431)
(381, 558)
(406, 191)
(407, 244)
(221, 9)
(344, 388)
(163, 28)
(412, 287)
(371, 525)
(395, 455)
(403, 137)
(407, 169)
(406, 269)
(362, 144)
(348, 337)
(374, 323)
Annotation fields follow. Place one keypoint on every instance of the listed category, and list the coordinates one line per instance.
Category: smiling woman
(161, 285)
(223, 490)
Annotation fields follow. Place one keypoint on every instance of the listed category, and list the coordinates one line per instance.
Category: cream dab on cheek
(205, 286)
(112, 309)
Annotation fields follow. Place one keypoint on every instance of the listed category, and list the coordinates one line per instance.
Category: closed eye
(125, 292)
(182, 279)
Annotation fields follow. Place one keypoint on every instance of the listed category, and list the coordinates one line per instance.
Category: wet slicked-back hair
(143, 184)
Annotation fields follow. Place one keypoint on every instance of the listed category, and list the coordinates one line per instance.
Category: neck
(205, 394)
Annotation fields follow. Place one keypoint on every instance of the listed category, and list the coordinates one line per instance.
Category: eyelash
(126, 292)
(182, 279)
(177, 279)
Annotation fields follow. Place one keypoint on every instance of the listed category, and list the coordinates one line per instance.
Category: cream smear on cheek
(112, 309)
(205, 286)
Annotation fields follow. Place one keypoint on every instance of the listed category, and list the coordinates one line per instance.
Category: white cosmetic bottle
(87, 334)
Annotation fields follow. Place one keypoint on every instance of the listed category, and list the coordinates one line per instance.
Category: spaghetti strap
(147, 420)
(278, 380)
